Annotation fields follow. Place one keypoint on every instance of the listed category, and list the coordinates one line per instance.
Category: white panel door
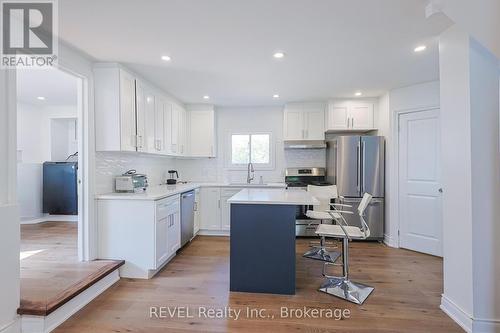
(361, 116)
(174, 129)
(162, 251)
(293, 124)
(127, 112)
(315, 124)
(419, 187)
(338, 117)
(140, 102)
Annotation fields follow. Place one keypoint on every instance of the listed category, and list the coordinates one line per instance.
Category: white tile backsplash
(112, 164)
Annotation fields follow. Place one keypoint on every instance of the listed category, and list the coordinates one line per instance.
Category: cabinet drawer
(166, 206)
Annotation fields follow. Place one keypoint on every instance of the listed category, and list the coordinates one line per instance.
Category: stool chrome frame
(342, 286)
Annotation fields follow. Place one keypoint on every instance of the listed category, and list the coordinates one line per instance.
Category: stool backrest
(324, 194)
(367, 197)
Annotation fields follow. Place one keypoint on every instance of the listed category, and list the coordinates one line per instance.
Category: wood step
(49, 305)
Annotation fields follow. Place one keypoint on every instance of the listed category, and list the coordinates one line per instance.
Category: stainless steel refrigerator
(356, 164)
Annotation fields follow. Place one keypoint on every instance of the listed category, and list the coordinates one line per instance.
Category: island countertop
(260, 196)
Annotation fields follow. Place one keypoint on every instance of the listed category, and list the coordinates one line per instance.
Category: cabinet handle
(352, 122)
(219, 203)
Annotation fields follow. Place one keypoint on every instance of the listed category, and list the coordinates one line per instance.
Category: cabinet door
(226, 207)
(150, 121)
(338, 117)
(201, 133)
(210, 209)
(174, 129)
(361, 116)
(197, 215)
(159, 136)
(293, 124)
(315, 124)
(127, 112)
(140, 107)
(182, 131)
(174, 233)
(162, 251)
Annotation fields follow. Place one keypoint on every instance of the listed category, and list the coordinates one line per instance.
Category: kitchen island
(262, 250)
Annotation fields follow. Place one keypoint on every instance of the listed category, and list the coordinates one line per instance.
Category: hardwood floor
(50, 271)
(406, 297)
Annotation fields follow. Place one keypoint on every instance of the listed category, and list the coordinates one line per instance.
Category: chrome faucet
(250, 169)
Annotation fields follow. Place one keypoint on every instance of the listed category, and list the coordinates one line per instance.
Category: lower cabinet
(144, 233)
(226, 207)
(210, 209)
(197, 215)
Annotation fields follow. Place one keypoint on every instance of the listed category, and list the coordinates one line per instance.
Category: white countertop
(269, 196)
(163, 191)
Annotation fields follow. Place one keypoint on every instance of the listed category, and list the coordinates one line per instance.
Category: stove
(298, 179)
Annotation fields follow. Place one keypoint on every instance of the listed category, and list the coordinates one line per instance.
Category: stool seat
(336, 231)
(314, 214)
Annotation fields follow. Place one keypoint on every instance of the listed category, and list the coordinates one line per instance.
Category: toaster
(131, 182)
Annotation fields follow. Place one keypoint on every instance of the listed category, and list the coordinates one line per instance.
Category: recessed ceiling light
(279, 55)
(41, 98)
(420, 48)
(206, 97)
(166, 58)
(276, 96)
(358, 93)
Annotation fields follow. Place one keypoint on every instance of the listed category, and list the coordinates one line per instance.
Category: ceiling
(56, 86)
(224, 48)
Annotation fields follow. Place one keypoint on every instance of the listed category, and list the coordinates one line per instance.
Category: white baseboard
(456, 313)
(391, 242)
(41, 324)
(46, 218)
(13, 327)
(485, 325)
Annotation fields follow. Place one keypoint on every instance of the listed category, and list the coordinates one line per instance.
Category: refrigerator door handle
(363, 167)
(359, 167)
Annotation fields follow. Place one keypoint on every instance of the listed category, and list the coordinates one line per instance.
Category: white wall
(36, 141)
(112, 164)
(470, 159)
(480, 18)
(248, 119)
(407, 98)
(9, 220)
(34, 129)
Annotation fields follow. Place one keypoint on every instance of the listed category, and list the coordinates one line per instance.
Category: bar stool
(322, 212)
(342, 286)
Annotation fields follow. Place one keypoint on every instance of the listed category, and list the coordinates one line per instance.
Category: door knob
(440, 190)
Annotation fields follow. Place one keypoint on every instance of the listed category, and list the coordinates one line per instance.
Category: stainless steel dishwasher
(187, 217)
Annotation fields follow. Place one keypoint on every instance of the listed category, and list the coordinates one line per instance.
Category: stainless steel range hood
(303, 144)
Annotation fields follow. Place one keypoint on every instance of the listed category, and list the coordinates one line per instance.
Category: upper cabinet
(115, 114)
(350, 116)
(304, 121)
(201, 131)
(131, 115)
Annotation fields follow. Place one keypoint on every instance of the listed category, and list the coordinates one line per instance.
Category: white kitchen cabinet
(210, 209)
(304, 121)
(226, 207)
(350, 116)
(201, 131)
(182, 131)
(144, 233)
(197, 215)
(146, 100)
(174, 129)
(115, 109)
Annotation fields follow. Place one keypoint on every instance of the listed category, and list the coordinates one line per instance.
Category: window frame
(257, 166)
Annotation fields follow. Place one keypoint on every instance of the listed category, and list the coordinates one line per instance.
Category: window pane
(240, 150)
(260, 148)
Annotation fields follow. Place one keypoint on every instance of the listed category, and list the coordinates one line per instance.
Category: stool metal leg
(321, 253)
(342, 287)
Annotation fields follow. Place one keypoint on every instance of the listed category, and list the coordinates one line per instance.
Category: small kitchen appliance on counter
(171, 180)
(131, 182)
